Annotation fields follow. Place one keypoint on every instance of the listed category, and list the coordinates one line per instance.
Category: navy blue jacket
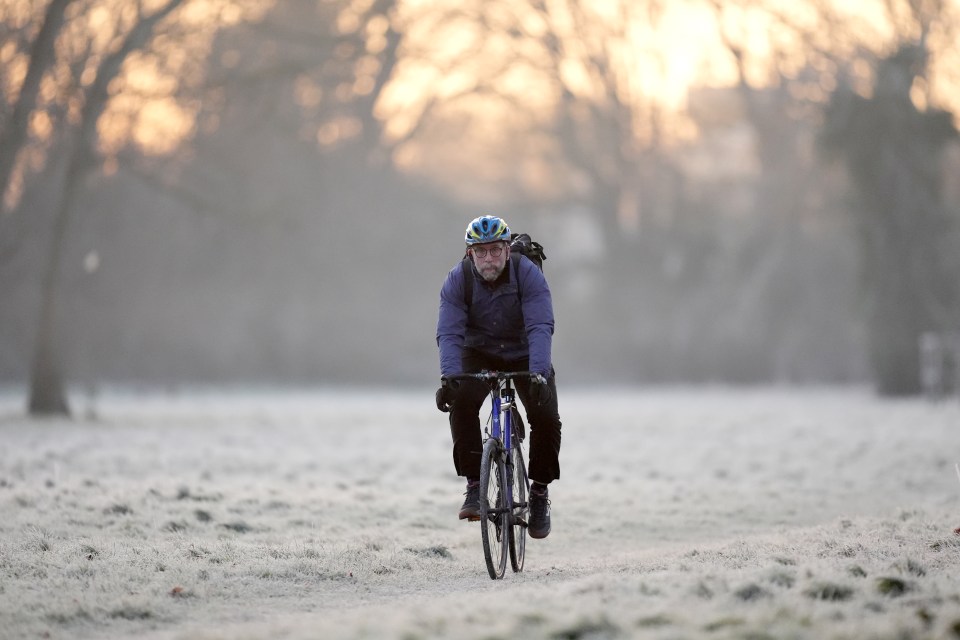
(502, 321)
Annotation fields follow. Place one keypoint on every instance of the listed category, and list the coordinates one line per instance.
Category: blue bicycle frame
(503, 402)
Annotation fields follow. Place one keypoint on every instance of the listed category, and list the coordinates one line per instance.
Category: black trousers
(544, 421)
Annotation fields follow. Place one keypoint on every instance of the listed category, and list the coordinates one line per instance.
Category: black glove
(540, 391)
(447, 394)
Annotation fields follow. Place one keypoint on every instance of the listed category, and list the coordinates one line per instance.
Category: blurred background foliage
(251, 192)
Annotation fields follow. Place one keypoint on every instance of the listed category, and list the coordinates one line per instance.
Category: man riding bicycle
(506, 325)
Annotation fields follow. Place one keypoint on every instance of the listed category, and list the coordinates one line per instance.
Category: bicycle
(504, 485)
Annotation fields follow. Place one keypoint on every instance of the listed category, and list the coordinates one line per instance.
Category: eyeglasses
(495, 252)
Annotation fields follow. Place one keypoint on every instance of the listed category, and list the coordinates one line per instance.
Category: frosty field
(680, 514)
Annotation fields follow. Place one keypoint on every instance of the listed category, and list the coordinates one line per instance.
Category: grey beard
(490, 276)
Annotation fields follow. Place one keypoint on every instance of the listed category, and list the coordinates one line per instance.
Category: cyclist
(506, 326)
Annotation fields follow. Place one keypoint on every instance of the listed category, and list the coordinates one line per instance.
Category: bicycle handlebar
(488, 376)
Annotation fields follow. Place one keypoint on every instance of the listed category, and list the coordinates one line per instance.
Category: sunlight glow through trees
(459, 59)
(149, 104)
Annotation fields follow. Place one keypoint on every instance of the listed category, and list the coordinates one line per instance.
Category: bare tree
(893, 153)
(46, 382)
(890, 149)
(96, 46)
(564, 76)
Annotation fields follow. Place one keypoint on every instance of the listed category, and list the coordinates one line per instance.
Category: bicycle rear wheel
(517, 535)
(493, 508)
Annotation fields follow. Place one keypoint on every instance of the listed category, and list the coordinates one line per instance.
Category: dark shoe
(471, 506)
(539, 526)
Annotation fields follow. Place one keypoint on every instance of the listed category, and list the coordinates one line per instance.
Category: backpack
(522, 245)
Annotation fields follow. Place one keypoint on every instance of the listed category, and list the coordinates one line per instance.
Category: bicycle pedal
(474, 519)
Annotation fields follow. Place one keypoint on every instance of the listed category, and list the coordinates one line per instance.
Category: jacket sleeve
(537, 316)
(452, 323)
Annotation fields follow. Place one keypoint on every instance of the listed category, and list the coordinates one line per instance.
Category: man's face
(489, 265)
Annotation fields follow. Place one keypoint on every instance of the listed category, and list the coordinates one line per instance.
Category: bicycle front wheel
(493, 508)
(517, 535)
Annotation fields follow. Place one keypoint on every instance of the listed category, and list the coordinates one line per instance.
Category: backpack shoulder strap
(467, 267)
(515, 258)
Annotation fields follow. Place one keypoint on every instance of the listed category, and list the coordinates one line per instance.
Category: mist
(289, 216)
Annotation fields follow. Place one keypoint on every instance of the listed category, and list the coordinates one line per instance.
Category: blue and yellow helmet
(487, 229)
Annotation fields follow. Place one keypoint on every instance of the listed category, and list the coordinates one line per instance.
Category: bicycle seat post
(506, 392)
(507, 399)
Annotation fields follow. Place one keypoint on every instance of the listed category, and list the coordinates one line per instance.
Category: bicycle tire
(517, 536)
(493, 512)
(517, 424)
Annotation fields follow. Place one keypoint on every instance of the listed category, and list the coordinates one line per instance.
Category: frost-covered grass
(680, 514)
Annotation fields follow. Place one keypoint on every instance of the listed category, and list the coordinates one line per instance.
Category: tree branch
(41, 57)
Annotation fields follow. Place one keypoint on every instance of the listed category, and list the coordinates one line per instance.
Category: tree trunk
(47, 390)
